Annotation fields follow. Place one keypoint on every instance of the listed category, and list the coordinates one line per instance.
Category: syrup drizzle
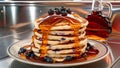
(46, 24)
(76, 29)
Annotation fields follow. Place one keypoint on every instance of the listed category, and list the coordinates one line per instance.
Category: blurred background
(17, 20)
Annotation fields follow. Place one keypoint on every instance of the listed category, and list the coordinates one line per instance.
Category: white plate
(13, 52)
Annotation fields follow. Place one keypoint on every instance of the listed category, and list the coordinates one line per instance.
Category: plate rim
(57, 64)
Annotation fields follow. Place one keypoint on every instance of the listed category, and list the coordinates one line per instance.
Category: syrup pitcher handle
(109, 5)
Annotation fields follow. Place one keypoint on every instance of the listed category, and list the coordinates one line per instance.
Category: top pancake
(64, 24)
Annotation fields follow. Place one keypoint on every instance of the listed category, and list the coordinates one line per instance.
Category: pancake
(61, 51)
(66, 37)
(62, 32)
(56, 39)
(63, 46)
(62, 25)
(59, 35)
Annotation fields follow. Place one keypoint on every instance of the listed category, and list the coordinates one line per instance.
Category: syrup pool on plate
(90, 53)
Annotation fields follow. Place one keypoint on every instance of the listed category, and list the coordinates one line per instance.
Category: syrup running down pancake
(58, 37)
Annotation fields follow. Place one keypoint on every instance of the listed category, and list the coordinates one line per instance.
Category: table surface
(11, 63)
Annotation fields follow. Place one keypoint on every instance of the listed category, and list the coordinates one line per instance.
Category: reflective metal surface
(4, 42)
(26, 12)
(11, 63)
(17, 22)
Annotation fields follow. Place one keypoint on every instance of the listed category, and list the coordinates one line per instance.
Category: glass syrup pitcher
(99, 26)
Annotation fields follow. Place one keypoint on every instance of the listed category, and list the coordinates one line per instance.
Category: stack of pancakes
(61, 38)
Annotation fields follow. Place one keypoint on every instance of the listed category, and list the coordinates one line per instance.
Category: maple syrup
(99, 26)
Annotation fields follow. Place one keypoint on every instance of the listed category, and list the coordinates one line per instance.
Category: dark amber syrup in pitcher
(98, 25)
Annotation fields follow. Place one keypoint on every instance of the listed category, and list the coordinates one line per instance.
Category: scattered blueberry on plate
(68, 58)
(48, 59)
(21, 50)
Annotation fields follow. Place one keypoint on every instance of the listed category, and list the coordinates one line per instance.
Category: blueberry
(45, 58)
(87, 48)
(31, 52)
(57, 11)
(22, 50)
(28, 54)
(63, 39)
(73, 49)
(32, 55)
(19, 52)
(68, 11)
(56, 50)
(62, 8)
(48, 44)
(84, 55)
(89, 45)
(40, 39)
(68, 58)
(48, 59)
(64, 13)
(50, 12)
